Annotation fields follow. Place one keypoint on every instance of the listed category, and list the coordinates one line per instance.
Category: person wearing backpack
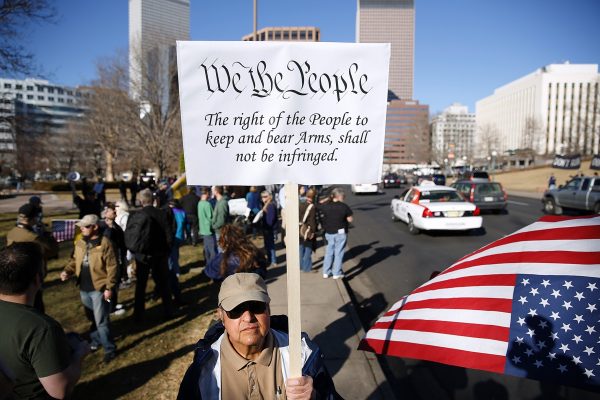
(149, 236)
(308, 227)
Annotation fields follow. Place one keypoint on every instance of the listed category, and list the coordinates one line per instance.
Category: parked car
(486, 195)
(475, 176)
(580, 193)
(391, 180)
(439, 179)
(434, 207)
(361, 188)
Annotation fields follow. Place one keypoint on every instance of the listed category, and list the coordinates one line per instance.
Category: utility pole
(255, 14)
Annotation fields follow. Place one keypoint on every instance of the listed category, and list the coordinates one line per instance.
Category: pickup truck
(580, 193)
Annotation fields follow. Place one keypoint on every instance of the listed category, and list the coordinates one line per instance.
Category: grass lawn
(152, 357)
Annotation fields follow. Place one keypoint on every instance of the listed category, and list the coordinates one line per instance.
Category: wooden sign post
(292, 256)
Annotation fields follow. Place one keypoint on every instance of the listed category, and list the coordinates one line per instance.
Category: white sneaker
(118, 312)
(325, 276)
(338, 276)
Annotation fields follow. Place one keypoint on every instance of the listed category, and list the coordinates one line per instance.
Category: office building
(452, 134)
(154, 27)
(407, 139)
(391, 21)
(555, 109)
(287, 33)
(34, 108)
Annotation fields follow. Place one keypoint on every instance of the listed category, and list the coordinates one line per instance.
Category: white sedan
(431, 207)
(360, 188)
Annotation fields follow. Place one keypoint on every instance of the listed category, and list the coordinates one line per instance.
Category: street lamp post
(494, 154)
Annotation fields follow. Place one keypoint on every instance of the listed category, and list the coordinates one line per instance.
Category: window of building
(7, 86)
(29, 97)
(50, 90)
(60, 91)
(40, 97)
(29, 88)
(69, 101)
(40, 88)
(50, 98)
(61, 100)
(19, 96)
(70, 92)
(19, 87)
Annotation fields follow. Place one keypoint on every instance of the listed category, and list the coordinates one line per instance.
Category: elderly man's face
(247, 326)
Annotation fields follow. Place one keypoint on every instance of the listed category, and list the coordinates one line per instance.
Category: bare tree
(158, 129)
(487, 140)
(14, 15)
(109, 114)
(532, 133)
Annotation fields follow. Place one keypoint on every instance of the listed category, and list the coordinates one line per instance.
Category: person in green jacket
(205, 214)
(220, 213)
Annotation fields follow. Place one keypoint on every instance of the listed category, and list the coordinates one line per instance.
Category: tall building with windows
(555, 109)
(287, 33)
(34, 108)
(452, 134)
(154, 27)
(391, 21)
(407, 139)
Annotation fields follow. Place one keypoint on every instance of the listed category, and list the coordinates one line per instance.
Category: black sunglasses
(255, 307)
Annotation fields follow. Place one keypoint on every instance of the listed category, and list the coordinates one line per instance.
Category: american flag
(526, 305)
(63, 229)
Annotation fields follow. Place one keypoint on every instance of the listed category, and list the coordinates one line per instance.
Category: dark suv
(486, 195)
(391, 180)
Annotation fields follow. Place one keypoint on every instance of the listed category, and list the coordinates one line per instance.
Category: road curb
(383, 386)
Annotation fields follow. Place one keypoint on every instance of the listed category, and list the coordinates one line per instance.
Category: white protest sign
(275, 112)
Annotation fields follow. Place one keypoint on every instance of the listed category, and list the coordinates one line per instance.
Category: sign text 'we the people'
(297, 79)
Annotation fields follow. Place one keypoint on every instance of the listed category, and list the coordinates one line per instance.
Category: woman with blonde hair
(239, 255)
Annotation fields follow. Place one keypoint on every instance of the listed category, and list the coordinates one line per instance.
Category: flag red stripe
(443, 355)
(467, 303)
(568, 233)
(541, 257)
(559, 218)
(451, 328)
(466, 281)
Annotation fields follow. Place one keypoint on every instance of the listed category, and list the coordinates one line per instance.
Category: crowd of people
(118, 245)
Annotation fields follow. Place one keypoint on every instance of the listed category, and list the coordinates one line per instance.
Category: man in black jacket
(189, 203)
(161, 239)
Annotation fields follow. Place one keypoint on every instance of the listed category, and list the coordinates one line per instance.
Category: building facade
(555, 109)
(287, 33)
(31, 109)
(452, 134)
(154, 27)
(407, 139)
(391, 21)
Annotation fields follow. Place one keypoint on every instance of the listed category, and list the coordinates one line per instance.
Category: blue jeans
(334, 253)
(306, 257)
(269, 236)
(101, 309)
(210, 247)
(174, 256)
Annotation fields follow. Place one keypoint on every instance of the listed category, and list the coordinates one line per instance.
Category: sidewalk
(329, 318)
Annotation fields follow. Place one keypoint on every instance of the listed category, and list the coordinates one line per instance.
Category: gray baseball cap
(240, 288)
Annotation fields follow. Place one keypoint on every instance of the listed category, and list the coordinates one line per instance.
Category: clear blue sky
(464, 49)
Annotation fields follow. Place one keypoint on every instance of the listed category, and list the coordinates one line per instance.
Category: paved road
(389, 262)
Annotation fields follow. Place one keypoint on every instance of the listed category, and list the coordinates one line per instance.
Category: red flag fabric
(526, 305)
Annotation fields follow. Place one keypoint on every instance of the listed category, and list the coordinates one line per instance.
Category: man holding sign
(282, 113)
(242, 357)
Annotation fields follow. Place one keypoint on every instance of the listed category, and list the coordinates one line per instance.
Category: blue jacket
(202, 380)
